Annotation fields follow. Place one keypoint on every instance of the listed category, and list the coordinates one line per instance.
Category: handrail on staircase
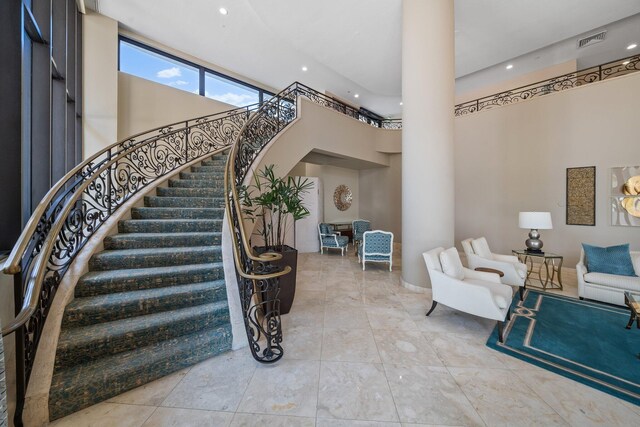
(257, 275)
(77, 205)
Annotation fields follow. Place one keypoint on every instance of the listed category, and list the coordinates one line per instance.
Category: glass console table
(549, 262)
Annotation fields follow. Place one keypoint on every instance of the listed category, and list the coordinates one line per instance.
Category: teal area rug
(582, 340)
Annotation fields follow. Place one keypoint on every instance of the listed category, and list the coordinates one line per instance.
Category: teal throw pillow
(611, 260)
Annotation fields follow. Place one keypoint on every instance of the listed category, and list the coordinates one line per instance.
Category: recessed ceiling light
(400, 102)
(356, 96)
(304, 68)
(632, 46)
(223, 11)
(625, 62)
(510, 66)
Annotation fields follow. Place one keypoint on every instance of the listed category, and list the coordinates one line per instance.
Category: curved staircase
(153, 302)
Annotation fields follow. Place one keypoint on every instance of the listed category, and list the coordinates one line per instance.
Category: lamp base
(534, 251)
(533, 243)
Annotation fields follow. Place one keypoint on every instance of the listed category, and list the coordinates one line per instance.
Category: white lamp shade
(535, 220)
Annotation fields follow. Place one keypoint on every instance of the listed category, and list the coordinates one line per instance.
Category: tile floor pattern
(359, 351)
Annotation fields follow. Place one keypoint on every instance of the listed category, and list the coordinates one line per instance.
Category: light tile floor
(359, 351)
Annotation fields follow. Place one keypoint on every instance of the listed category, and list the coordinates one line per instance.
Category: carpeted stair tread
(154, 257)
(85, 343)
(84, 385)
(219, 170)
(169, 225)
(201, 176)
(109, 281)
(161, 240)
(181, 212)
(197, 183)
(216, 193)
(181, 202)
(154, 301)
(121, 305)
(215, 162)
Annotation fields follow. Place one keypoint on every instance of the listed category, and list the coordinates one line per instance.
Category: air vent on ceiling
(592, 39)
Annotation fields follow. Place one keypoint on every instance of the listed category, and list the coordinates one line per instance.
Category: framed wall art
(625, 196)
(581, 196)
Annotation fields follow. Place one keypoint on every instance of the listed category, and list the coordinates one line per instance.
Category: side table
(552, 264)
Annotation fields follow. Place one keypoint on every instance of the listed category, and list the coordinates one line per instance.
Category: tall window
(225, 90)
(158, 68)
(152, 64)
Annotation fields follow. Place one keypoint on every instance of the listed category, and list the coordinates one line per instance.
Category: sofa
(608, 288)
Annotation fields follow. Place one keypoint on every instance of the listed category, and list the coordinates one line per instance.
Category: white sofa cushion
(451, 264)
(614, 281)
(635, 258)
(481, 248)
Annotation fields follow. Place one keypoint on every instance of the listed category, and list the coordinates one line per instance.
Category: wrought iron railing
(75, 208)
(556, 84)
(258, 277)
(346, 109)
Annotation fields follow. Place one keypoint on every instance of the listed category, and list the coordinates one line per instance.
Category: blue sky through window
(152, 66)
(158, 68)
(233, 93)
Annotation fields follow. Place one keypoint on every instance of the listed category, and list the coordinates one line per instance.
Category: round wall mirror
(342, 197)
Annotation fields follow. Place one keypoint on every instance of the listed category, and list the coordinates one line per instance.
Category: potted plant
(275, 204)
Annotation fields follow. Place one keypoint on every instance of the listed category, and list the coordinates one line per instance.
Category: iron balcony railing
(556, 84)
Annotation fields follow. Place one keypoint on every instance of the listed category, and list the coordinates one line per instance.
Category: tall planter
(287, 282)
(274, 204)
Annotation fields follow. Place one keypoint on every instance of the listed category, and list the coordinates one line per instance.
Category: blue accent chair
(377, 246)
(331, 239)
(359, 226)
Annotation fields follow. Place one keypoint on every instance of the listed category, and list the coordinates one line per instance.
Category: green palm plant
(273, 202)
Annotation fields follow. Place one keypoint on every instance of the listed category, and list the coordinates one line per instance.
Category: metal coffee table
(633, 302)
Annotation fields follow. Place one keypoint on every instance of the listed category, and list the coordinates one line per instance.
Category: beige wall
(514, 158)
(525, 79)
(333, 133)
(145, 105)
(381, 198)
(331, 177)
(100, 82)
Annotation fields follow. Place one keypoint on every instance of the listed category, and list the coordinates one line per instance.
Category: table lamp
(535, 221)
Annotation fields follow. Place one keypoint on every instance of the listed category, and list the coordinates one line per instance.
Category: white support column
(428, 83)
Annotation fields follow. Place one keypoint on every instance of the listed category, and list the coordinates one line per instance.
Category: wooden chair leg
(501, 331)
(433, 307)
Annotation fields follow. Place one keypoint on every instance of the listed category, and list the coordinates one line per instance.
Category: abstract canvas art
(625, 196)
(581, 196)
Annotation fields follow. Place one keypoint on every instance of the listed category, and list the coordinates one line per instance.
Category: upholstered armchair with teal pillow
(377, 246)
(359, 226)
(331, 239)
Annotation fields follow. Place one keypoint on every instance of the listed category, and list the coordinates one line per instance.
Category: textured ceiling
(354, 46)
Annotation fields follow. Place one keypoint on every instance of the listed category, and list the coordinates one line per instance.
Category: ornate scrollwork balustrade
(258, 278)
(555, 84)
(75, 208)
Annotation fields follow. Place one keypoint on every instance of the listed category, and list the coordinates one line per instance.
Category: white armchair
(473, 292)
(479, 255)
